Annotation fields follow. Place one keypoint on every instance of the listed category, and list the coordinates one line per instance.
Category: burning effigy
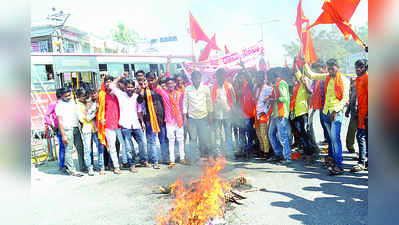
(201, 200)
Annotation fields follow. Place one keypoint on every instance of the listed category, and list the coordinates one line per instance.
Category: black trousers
(301, 125)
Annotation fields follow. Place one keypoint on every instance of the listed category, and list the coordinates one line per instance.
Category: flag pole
(192, 50)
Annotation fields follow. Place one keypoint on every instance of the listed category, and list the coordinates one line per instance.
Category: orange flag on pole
(300, 19)
(308, 49)
(340, 12)
(197, 34)
(207, 50)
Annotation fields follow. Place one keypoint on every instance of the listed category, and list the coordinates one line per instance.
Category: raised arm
(301, 78)
(312, 75)
(168, 66)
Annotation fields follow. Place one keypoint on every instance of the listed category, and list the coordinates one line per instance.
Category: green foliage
(330, 44)
(125, 35)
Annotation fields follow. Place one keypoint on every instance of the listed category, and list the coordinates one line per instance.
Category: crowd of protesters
(252, 113)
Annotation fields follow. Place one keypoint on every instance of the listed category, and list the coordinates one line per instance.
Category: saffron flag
(300, 19)
(308, 49)
(207, 50)
(339, 12)
(197, 34)
(101, 115)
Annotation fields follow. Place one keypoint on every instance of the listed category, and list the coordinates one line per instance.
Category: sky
(228, 19)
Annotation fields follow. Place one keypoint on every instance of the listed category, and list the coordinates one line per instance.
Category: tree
(125, 35)
(330, 44)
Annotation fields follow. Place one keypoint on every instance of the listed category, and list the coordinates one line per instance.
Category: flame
(200, 200)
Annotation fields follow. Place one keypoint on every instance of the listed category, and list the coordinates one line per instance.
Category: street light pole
(261, 25)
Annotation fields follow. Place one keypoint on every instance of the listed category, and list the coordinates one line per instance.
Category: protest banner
(251, 57)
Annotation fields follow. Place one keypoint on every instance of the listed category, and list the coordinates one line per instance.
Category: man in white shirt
(67, 114)
(197, 109)
(130, 111)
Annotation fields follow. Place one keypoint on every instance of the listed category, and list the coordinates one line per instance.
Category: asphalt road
(294, 194)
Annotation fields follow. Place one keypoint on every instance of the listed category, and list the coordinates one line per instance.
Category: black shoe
(277, 159)
(247, 156)
(351, 150)
(125, 166)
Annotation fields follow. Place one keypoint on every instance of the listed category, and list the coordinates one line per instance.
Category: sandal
(336, 170)
(171, 165)
(117, 170)
(76, 174)
(156, 166)
(357, 168)
(133, 169)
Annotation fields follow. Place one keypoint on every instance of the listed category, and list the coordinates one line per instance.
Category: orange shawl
(181, 90)
(228, 93)
(101, 115)
(339, 86)
(175, 107)
(152, 112)
(293, 99)
(247, 102)
(315, 102)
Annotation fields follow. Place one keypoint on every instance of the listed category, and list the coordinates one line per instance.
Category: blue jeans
(88, 151)
(152, 145)
(100, 150)
(128, 153)
(362, 141)
(138, 136)
(278, 134)
(334, 131)
(324, 121)
(61, 151)
(224, 124)
(249, 124)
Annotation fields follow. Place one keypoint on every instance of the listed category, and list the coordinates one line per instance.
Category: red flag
(308, 49)
(196, 31)
(226, 51)
(207, 50)
(339, 12)
(300, 19)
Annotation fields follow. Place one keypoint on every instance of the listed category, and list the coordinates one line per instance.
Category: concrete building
(67, 39)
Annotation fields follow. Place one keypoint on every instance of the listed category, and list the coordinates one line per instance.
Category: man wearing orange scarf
(173, 118)
(279, 125)
(223, 97)
(155, 121)
(244, 113)
(336, 96)
(300, 109)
